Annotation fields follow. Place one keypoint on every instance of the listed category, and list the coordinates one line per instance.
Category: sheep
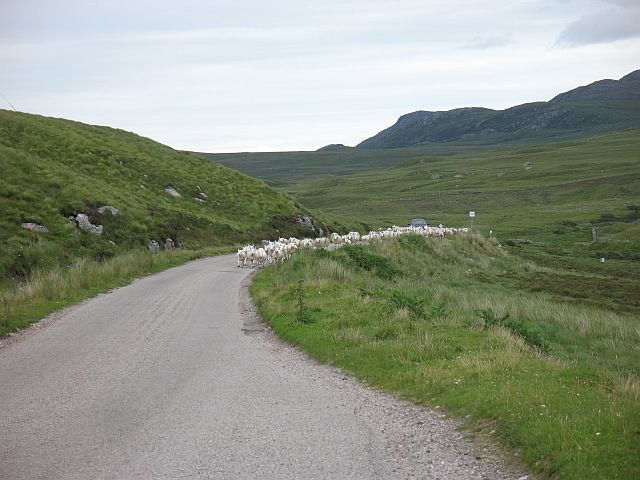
(281, 249)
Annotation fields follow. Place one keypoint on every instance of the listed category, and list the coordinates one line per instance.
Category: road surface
(173, 377)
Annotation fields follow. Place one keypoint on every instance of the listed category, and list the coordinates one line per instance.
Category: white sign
(472, 214)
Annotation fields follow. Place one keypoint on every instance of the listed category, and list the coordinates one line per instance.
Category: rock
(87, 226)
(153, 246)
(198, 199)
(172, 191)
(436, 176)
(34, 227)
(203, 195)
(168, 244)
(458, 175)
(528, 167)
(305, 221)
(109, 209)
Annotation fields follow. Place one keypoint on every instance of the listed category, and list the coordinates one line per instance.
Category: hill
(603, 106)
(53, 170)
(333, 147)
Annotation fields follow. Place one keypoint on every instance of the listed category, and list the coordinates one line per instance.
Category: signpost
(472, 215)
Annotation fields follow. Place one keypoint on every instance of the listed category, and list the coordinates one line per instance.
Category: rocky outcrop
(108, 209)
(87, 226)
(34, 227)
(172, 191)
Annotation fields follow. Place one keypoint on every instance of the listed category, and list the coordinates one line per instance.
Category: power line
(7, 100)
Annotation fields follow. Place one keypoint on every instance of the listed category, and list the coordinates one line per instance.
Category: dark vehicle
(418, 222)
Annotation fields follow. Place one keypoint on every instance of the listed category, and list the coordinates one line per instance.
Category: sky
(249, 75)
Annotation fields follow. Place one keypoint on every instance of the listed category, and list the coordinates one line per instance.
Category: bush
(399, 299)
(371, 262)
(303, 315)
(518, 327)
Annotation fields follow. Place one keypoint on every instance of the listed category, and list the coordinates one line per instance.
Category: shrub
(303, 315)
(371, 262)
(399, 299)
(518, 327)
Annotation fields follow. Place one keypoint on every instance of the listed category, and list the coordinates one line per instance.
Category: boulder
(87, 226)
(203, 195)
(436, 176)
(153, 246)
(172, 191)
(109, 209)
(34, 227)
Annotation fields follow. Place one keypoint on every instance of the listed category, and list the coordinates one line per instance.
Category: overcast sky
(296, 75)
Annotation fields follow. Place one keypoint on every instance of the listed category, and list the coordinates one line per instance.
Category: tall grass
(555, 379)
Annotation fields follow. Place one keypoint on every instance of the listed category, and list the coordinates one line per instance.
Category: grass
(555, 378)
(59, 287)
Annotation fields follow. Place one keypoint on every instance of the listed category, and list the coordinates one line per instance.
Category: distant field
(540, 201)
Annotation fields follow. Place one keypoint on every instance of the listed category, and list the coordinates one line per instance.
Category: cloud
(607, 25)
(485, 42)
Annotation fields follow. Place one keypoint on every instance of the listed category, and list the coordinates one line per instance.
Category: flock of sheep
(280, 250)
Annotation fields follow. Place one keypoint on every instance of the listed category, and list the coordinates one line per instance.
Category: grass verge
(442, 323)
(50, 290)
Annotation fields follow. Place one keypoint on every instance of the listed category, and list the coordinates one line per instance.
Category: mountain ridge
(600, 107)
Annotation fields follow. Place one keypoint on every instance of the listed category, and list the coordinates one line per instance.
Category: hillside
(53, 170)
(603, 106)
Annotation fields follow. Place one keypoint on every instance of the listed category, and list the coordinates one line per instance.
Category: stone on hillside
(109, 209)
(168, 244)
(198, 199)
(203, 195)
(153, 246)
(305, 221)
(458, 175)
(172, 191)
(34, 227)
(436, 176)
(87, 226)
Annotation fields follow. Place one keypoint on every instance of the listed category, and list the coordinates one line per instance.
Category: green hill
(603, 106)
(53, 170)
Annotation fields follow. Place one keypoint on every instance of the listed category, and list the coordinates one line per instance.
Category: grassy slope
(54, 168)
(413, 316)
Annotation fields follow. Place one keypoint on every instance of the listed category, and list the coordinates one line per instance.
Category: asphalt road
(166, 378)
